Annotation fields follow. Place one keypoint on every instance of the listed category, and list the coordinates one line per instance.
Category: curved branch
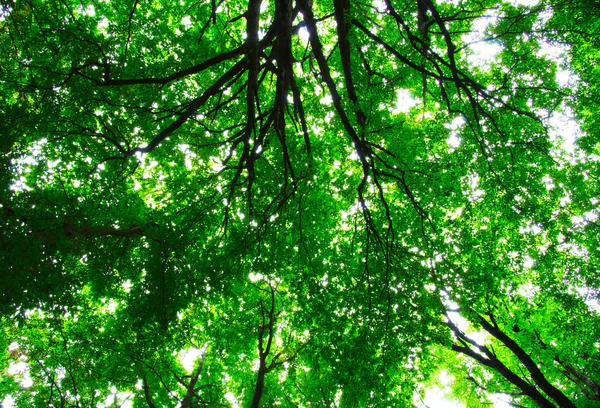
(241, 50)
(361, 149)
(192, 109)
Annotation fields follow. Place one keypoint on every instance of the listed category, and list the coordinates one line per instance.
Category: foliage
(319, 203)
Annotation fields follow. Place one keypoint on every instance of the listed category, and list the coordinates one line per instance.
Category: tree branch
(491, 361)
(536, 374)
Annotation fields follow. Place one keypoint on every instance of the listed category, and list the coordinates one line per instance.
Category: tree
(326, 203)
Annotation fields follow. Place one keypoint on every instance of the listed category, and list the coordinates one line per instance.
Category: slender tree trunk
(588, 386)
(260, 385)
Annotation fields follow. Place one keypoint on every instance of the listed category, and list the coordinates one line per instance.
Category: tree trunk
(260, 385)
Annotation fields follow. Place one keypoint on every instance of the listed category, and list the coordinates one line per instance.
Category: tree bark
(260, 385)
(536, 374)
(490, 360)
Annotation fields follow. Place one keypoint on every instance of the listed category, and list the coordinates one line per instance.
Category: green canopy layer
(325, 203)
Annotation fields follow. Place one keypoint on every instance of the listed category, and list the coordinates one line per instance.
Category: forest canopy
(300, 203)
